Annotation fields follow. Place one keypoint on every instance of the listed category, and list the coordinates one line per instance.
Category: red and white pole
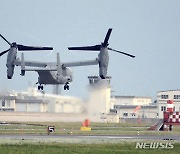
(170, 106)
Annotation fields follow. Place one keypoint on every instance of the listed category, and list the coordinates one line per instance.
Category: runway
(93, 137)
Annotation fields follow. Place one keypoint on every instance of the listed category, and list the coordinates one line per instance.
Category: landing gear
(40, 87)
(66, 86)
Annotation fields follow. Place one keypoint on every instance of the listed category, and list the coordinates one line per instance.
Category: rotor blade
(107, 37)
(90, 48)
(28, 48)
(122, 53)
(2, 53)
(5, 40)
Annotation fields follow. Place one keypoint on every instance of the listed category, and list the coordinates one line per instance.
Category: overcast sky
(148, 29)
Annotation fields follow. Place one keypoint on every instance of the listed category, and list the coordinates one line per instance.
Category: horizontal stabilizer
(41, 69)
(90, 48)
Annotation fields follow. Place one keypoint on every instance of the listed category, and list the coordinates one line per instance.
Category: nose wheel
(66, 86)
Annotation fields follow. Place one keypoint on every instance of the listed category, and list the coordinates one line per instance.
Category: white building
(7, 103)
(133, 111)
(163, 97)
(129, 107)
(35, 101)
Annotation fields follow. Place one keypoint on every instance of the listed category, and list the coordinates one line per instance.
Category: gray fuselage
(51, 77)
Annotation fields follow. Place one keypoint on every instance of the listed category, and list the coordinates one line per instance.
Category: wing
(17, 62)
(81, 63)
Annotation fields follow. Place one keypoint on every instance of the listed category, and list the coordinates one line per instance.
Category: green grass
(74, 128)
(39, 146)
(125, 148)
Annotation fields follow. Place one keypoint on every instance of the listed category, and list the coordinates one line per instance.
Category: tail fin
(58, 66)
(22, 65)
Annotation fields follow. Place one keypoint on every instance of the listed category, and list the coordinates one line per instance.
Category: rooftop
(134, 106)
(169, 90)
(118, 96)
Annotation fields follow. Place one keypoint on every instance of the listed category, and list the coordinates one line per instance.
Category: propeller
(105, 44)
(90, 48)
(98, 47)
(103, 57)
(127, 54)
(5, 39)
(22, 47)
(2, 53)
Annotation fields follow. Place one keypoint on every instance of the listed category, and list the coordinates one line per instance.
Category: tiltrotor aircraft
(56, 72)
(49, 72)
(103, 57)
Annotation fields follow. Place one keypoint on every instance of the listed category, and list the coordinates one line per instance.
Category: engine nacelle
(103, 72)
(103, 63)
(10, 71)
(10, 62)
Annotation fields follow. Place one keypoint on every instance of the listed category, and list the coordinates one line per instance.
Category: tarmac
(92, 137)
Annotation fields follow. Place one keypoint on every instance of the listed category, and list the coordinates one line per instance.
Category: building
(99, 107)
(104, 107)
(35, 101)
(132, 111)
(133, 107)
(163, 97)
(7, 103)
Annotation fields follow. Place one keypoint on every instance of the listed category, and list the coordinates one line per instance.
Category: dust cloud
(98, 104)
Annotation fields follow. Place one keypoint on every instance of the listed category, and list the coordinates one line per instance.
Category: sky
(147, 29)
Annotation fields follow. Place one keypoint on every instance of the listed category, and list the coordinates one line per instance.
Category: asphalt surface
(94, 137)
